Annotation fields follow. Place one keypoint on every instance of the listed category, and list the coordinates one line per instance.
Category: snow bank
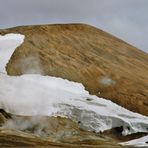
(141, 142)
(8, 44)
(44, 95)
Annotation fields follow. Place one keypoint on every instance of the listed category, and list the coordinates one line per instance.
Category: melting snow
(141, 142)
(44, 95)
(8, 44)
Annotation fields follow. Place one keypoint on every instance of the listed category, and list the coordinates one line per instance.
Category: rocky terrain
(107, 66)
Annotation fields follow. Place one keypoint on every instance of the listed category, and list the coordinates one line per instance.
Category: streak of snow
(8, 44)
(141, 142)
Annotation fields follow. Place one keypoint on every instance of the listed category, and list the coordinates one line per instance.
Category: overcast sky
(127, 19)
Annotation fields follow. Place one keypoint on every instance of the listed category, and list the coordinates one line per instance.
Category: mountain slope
(105, 65)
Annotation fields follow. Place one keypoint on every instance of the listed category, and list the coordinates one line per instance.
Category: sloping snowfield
(44, 95)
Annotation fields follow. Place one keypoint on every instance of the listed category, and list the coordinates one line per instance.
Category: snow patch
(141, 142)
(8, 44)
(33, 95)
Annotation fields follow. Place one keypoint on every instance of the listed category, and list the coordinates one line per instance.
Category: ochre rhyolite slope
(107, 66)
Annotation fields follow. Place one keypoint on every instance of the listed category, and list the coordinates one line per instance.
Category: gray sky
(126, 19)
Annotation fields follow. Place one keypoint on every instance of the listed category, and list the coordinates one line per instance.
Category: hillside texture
(108, 67)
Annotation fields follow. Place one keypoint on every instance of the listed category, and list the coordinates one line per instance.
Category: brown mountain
(107, 66)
